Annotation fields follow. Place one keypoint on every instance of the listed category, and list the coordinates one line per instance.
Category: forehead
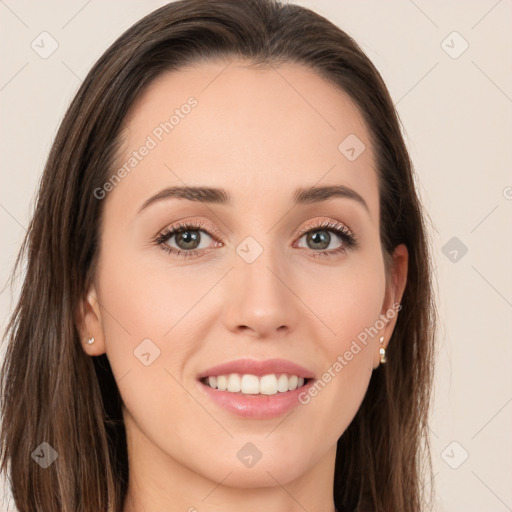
(260, 131)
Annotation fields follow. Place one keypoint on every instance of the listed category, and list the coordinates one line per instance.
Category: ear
(90, 324)
(395, 286)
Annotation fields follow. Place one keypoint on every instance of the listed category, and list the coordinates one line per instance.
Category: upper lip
(258, 368)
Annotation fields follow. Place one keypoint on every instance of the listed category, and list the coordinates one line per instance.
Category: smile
(248, 384)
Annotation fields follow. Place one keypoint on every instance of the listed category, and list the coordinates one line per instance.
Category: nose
(260, 297)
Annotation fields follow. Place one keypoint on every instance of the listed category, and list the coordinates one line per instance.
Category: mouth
(256, 389)
(248, 384)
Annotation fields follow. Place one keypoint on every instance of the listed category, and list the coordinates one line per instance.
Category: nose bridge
(261, 298)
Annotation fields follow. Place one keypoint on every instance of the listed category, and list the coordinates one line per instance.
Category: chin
(262, 474)
(250, 467)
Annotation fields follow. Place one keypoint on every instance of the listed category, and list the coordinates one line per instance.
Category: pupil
(322, 237)
(190, 239)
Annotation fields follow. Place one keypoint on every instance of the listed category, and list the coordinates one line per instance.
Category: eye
(191, 239)
(319, 239)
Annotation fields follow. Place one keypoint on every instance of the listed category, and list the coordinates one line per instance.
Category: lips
(256, 389)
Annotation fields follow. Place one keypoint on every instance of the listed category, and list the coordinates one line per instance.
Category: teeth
(234, 384)
(282, 383)
(250, 385)
(222, 383)
(253, 385)
(268, 385)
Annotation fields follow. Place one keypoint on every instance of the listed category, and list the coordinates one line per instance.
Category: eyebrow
(303, 195)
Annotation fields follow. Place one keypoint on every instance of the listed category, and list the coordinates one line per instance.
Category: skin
(258, 137)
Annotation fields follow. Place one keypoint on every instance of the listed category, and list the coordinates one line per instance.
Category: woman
(181, 342)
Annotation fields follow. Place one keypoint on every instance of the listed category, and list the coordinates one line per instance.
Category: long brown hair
(53, 392)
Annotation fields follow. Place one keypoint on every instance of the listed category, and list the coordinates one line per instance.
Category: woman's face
(267, 270)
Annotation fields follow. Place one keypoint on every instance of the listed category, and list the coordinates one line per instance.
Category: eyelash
(341, 231)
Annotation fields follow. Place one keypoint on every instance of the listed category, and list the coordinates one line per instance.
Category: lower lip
(256, 406)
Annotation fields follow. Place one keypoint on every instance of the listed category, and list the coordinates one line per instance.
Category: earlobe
(382, 351)
(90, 325)
(380, 355)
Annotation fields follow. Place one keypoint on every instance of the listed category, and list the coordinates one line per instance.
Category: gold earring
(382, 351)
(90, 341)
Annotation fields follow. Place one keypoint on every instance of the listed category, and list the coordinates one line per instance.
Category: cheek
(346, 301)
(350, 307)
(149, 323)
(153, 317)
(145, 298)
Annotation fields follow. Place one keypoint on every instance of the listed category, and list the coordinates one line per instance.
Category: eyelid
(210, 229)
(326, 224)
(199, 225)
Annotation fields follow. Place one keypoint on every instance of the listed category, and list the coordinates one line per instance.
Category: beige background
(457, 114)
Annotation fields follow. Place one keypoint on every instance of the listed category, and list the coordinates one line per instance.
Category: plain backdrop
(447, 66)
